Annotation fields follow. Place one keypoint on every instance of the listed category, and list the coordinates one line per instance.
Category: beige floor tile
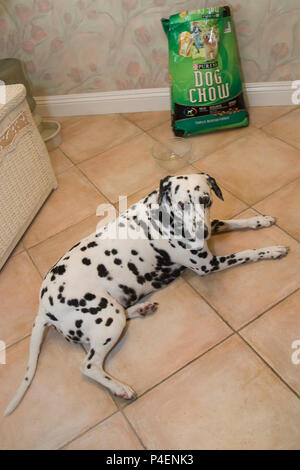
(286, 128)
(241, 293)
(154, 347)
(74, 200)
(202, 144)
(262, 115)
(46, 254)
(60, 403)
(59, 161)
(124, 169)
(113, 434)
(284, 204)
(19, 289)
(88, 136)
(228, 399)
(253, 166)
(148, 120)
(272, 336)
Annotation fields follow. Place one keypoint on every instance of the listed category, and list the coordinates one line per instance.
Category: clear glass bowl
(173, 153)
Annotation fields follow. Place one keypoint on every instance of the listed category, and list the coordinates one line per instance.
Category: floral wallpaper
(81, 46)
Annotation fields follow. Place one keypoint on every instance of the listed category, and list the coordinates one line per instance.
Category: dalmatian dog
(96, 286)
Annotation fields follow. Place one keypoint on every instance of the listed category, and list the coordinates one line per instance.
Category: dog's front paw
(273, 252)
(262, 221)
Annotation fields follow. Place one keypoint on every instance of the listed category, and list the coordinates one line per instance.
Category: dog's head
(188, 189)
(187, 198)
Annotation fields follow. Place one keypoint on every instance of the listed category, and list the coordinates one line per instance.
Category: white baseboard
(150, 99)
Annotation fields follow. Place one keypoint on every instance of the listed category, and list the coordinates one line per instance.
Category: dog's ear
(164, 187)
(213, 184)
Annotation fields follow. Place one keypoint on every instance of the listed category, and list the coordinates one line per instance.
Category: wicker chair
(26, 175)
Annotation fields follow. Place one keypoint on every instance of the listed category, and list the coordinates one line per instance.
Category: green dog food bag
(206, 84)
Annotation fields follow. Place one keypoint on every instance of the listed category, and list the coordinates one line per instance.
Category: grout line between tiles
(210, 305)
(86, 431)
(269, 365)
(269, 134)
(132, 427)
(267, 310)
(181, 368)
(146, 130)
(34, 264)
(275, 191)
(237, 331)
(278, 226)
(273, 119)
(125, 140)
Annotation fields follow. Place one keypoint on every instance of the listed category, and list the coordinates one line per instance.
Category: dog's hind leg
(256, 222)
(142, 309)
(102, 340)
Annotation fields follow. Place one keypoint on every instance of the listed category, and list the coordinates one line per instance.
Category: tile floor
(215, 361)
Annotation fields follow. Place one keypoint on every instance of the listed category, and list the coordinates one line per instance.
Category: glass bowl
(173, 153)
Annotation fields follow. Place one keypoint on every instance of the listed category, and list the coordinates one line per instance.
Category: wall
(80, 46)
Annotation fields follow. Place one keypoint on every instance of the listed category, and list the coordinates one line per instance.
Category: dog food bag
(206, 85)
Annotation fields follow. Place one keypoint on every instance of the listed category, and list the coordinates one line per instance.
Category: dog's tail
(35, 344)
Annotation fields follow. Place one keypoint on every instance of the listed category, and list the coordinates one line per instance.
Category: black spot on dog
(52, 317)
(86, 261)
(60, 270)
(117, 261)
(73, 302)
(89, 366)
(114, 251)
(134, 253)
(50, 300)
(92, 244)
(82, 303)
(141, 280)
(102, 271)
(79, 333)
(193, 261)
(231, 261)
(98, 321)
(78, 323)
(117, 310)
(92, 352)
(93, 310)
(107, 341)
(103, 303)
(132, 267)
(107, 252)
(156, 285)
(83, 248)
(108, 321)
(88, 296)
(43, 291)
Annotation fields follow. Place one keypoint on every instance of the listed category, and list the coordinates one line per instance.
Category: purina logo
(2, 92)
(2, 352)
(296, 93)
